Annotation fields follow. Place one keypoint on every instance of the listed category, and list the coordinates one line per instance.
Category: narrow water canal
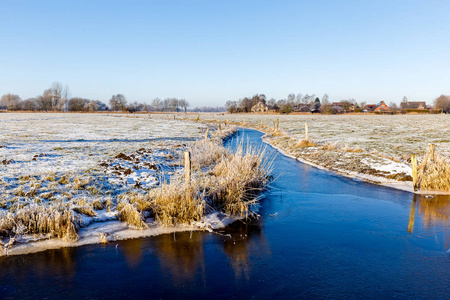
(319, 236)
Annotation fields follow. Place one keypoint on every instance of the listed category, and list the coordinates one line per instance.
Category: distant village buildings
(413, 105)
(381, 107)
(260, 108)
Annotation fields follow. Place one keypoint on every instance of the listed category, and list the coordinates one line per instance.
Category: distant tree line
(209, 109)
(58, 98)
(55, 98)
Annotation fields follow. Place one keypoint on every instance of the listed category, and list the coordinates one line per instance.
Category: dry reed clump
(305, 143)
(348, 148)
(80, 183)
(177, 203)
(434, 174)
(140, 201)
(205, 153)
(64, 180)
(57, 222)
(85, 210)
(329, 146)
(97, 204)
(130, 214)
(238, 180)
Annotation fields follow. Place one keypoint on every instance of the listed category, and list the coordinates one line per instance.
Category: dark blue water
(319, 236)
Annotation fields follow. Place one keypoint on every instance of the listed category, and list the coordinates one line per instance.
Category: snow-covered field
(87, 160)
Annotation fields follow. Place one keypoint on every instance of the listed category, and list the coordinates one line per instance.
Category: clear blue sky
(212, 51)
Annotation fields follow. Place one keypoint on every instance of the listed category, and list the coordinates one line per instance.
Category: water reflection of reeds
(434, 213)
(246, 239)
(181, 254)
(434, 210)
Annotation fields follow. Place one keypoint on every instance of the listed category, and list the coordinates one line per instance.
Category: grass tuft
(130, 214)
(176, 203)
(55, 221)
(434, 174)
(305, 143)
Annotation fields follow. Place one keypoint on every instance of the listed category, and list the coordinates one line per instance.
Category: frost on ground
(377, 148)
(64, 175)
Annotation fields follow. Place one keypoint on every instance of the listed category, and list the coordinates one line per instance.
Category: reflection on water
(434, 213)
(181, 254)
(132, 252)
(246, 239)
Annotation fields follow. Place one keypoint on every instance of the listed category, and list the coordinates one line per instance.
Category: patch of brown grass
(130, 214)
(305, 143)
(177, 203)
(434, 175)
(85, 210)
(58, 222)
(205, 153)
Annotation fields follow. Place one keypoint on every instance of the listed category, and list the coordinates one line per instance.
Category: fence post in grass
(278, 125)
(207, 133)
(306, 131)
(414, 170)
(187, 168)
(432, 146)
(220, 128)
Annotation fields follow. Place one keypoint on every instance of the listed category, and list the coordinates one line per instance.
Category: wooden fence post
(278, 125)
(220, 128)
(207, 133)
(187, 168)
(306, 131)
(432, 146)
(414, 170)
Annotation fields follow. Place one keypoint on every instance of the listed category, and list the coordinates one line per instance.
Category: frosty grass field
(90, 163)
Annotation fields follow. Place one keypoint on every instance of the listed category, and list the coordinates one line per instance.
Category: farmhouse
(260, 107)
(413, 105)
(380, 107)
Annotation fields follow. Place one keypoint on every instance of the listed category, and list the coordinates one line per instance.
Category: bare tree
(121, 102)
(29, 104)
(64, 98)
(157, 104)
(78, 104)
(56, 93)
(442, 103)
(325, 99)
(113, 103)
(11, 101)
(183, 104)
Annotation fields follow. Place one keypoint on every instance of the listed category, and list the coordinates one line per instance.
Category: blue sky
(213, 51)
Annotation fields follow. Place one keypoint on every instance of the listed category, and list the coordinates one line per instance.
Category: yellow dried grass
(434, 174)
(58, 222)
(177, 203)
